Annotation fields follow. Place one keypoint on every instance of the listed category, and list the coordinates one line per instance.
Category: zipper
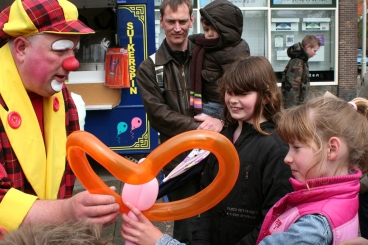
(185, 85)
(185, 82)
(247, 172)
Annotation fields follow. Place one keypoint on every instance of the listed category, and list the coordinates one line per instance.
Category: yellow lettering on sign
(133, 90)
(131, 58)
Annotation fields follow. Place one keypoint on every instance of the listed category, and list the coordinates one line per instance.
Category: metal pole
(364, 41)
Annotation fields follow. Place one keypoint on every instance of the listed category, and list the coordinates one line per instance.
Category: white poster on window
(289, 40)
(281, 54)
(320, 55)
(279, 41)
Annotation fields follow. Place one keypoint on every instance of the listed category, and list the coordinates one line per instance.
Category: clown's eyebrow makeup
(63, 44)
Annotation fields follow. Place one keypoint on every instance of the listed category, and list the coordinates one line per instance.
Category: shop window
(92, 51)
(303, 3)
(291, 26)
(256, 34)
(240, 3)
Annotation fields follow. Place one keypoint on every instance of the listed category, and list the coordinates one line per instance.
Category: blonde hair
(316, 121)
(252, 73)
(51, 234)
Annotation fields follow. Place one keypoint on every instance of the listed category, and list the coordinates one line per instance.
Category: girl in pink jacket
(328, 144)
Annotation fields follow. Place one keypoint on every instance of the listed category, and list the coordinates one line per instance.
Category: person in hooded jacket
(249, 90)
(295, 78)
(216, 49)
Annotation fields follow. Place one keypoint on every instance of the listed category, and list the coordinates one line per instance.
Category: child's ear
(334, 148)
(308, 46)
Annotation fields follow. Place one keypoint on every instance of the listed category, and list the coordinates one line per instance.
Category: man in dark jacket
(167, 106)
(295, 78)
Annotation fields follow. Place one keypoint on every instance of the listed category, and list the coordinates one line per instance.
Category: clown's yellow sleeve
(14, 207)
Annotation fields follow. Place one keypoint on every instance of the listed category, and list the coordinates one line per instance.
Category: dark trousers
(183, 228)
(363, 214)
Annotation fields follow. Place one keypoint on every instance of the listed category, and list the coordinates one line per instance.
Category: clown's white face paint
(56, 86)
(43, 63)
(63, 44)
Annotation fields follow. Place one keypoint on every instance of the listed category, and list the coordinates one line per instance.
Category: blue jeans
(363, 214)
(310, 229)
(212, 109)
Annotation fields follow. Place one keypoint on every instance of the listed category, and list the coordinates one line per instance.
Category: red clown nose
(70, 64)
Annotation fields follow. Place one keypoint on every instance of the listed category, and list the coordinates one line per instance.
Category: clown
(37, 114)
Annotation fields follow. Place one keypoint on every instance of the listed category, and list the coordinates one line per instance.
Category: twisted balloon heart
(81, 142)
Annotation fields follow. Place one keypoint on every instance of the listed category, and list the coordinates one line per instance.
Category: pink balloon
(141, 196)
(136, 123)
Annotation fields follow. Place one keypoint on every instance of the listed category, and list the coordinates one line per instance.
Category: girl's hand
(141, 231)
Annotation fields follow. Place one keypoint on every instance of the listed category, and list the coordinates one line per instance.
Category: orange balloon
(81, 142)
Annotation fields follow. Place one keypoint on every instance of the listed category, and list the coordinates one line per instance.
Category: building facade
(271, 26)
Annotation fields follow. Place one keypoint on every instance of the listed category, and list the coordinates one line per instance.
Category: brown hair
(205, 21)
(252, 73)
(63, 234)
(174, 5)
(312, 40)
(321, 118)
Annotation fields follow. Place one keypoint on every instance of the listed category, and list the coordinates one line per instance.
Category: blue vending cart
(125, 128)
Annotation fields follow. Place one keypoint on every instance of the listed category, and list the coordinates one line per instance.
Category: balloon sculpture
(81, 142)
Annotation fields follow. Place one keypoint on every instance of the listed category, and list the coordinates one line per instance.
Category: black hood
(227, 19)
(297, 51)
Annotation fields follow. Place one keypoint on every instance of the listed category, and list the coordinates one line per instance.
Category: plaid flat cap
(30, 17)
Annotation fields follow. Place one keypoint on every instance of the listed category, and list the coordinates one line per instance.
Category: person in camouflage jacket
(295, 78)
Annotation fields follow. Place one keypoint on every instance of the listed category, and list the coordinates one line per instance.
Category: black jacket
(263, 180)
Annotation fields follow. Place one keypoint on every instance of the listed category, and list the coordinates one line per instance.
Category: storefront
(271, 26)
